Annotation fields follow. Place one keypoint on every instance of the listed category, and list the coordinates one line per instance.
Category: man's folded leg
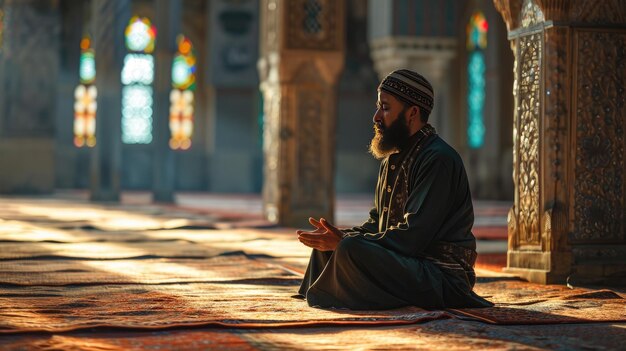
(317, 262)
(363, 275)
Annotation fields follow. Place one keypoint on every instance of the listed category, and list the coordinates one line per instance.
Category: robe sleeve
(370, 226)
(431, 196)
(372, 223)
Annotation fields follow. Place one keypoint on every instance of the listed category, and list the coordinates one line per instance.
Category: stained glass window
(140, 35)
(85, 95)
(182, 97)
(137, 78)
(476, 44)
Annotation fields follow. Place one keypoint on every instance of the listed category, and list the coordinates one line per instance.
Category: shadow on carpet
(129, 276)
(520, 302)
(232, 291)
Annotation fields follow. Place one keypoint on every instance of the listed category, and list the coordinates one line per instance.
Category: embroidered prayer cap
(409, 87)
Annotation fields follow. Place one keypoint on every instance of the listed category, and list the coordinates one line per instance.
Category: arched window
(137, 78)
(476, 44)
(181, 97)
(85, 95)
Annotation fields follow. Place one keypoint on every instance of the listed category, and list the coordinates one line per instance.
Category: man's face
(390, 126)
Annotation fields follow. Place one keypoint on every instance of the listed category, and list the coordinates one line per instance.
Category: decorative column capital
(510, 11)
(415, 53)
(555, 10)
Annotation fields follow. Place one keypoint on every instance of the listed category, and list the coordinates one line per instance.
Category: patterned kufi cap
(409, 87)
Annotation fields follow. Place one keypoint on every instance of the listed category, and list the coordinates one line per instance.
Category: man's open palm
(325, 237)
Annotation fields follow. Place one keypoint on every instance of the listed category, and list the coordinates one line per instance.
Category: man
(417, 247)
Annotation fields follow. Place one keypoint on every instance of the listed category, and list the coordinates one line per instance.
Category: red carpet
(448, 334)
(258, 304)
(129, 271)
(228, 291)
(519, 302)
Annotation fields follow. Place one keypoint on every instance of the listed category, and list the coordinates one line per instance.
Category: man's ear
(415, 113)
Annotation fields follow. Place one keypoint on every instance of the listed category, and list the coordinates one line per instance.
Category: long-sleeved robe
(417, 247)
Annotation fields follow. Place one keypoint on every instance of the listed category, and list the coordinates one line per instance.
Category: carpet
(55, 278)
(447, 334)
(21, 240)
(22, 232)
(124, 341)
(148, 271)
(140, 270)
(109, 250)
(260, 304)
(114, 250)
(520, 302)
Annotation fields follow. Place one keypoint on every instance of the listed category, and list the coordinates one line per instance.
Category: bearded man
(417, 247)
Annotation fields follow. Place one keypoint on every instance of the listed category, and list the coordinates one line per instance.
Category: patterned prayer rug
(520, 302)
(57, 277)
(124, 341)
(449, 334)
(140, 270)
(259, 303)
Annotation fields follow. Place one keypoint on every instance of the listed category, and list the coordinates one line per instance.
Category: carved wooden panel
(556, 100)
(555, 10)
(555, 138)
(313, 24)
(529, 103)
(310, 147)
(599, 253)
(600, 12)
(599, 127)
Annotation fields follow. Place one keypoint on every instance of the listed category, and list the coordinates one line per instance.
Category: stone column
(29, 69)
(168, 14)
(234, 152)
(109, 21)
(302, 55)
(567, 223)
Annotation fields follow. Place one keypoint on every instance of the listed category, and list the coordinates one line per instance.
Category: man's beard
(388, 140)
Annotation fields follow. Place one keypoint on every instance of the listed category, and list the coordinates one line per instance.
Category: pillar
(233, 97)
(109, 21)
(168, 14)
(29, 70)
(302, 56)
(567, 223)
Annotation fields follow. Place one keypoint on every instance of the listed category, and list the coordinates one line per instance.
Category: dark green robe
(417, 247)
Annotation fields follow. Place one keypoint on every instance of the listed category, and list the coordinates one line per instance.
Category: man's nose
(377, 118)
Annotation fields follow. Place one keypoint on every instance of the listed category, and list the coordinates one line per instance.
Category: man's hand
(325, 237)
